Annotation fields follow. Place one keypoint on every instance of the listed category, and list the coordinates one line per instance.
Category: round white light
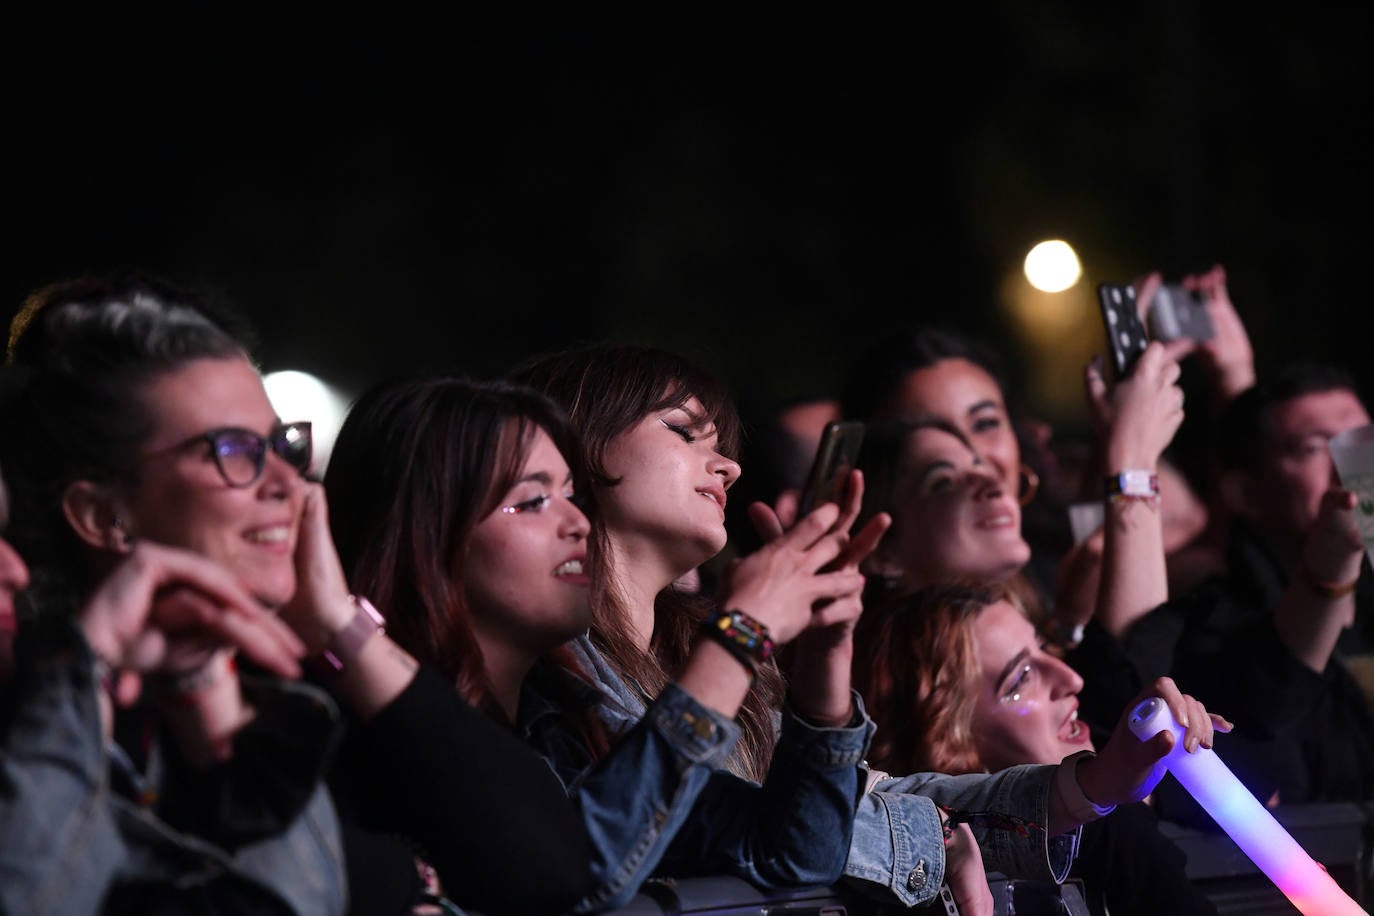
(1052, 266)
(301, 396)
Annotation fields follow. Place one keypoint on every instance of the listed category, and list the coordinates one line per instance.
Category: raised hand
(1139, 416)
(321, 606)
(779, 583)
(1125, 770)
(1228, 356)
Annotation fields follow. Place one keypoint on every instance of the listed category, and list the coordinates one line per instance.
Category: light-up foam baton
(1244, 819)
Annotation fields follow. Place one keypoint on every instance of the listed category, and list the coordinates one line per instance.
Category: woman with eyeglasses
(160, 501)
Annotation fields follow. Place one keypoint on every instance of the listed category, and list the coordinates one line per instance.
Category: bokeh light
(1053, 266)
(301, 396)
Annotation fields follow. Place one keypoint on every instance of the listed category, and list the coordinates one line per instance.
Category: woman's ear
(94, 514)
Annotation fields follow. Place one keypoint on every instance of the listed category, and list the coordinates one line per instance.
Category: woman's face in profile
(182, 499)
(670, 499)
(1027, 704)
(954, 519)
(967, 397)
(525, 571)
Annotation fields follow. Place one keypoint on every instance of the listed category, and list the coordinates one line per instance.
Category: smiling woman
(958, 681)
(156, 553)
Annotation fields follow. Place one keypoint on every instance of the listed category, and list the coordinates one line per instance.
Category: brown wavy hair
(919, 674)
(607, 389)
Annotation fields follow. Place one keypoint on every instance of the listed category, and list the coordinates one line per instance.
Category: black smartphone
(1126, 337)
(835, 456)
(1177, 312)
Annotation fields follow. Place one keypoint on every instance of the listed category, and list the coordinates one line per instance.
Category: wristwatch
(345, 645)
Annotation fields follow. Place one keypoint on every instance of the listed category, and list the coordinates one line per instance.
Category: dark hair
(417, 465)
(81, 353)
(883, 460)
(918, 672)
(1243, 427)
(607, 389)
(880, 370)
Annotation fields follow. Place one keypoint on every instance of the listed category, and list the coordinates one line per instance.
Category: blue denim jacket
(897, 852)
(661, 801)
(66, 838)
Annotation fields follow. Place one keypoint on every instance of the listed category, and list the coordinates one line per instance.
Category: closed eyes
(686, 434)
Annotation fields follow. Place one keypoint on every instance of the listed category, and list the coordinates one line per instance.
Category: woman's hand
(162, 606)
(181, 616)
(824, 652)
(1139, 416)
(321, 606)
(1125, 771)
(779, 583)
(1228, 355)
(965, 875)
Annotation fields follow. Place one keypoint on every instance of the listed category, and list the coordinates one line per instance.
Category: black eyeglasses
(241, 454)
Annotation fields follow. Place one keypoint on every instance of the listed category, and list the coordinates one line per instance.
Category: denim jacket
(661, 802)
(897, 852)
(66, 838)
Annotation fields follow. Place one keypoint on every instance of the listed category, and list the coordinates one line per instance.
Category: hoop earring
(1030, 485)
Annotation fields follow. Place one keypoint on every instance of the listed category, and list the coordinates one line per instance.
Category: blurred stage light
(1052, 266)
(302, 396)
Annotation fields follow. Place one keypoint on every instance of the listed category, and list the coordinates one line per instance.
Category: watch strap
(345, 644)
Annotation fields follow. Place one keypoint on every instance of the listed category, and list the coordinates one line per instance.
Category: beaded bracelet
(744, 637)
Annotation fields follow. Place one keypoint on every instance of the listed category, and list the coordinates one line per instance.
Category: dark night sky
(445, 188)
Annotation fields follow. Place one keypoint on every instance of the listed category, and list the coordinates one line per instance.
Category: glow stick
(1244, 819)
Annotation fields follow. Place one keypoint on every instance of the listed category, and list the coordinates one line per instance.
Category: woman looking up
(457, 504)
(640, 411)
(959, 682)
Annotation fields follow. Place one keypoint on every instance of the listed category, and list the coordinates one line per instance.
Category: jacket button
(917, 879)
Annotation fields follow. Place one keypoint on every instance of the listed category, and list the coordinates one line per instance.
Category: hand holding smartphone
(835, 457)
(1176, 313)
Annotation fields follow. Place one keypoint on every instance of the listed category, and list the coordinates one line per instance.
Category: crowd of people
(504, 656)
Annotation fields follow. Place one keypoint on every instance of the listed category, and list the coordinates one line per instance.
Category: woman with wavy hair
(959, 682)
(659, 436)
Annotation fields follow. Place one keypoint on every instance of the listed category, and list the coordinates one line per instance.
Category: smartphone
(1176, 313)
(835, 456)
(1126, 337)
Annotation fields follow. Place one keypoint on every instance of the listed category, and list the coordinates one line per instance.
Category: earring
(1030, 485)
(125, 538)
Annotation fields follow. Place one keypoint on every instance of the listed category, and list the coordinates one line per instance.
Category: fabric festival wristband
(1139, 485)
(744, 637)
